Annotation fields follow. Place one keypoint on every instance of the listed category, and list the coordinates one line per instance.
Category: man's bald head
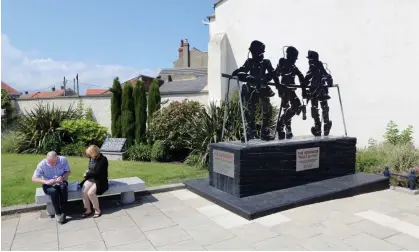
(52, 158)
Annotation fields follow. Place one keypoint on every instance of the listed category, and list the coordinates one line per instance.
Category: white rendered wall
(101, 105)
(371, 47)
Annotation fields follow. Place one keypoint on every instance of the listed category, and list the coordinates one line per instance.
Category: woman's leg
(93, 198)
(86, 202)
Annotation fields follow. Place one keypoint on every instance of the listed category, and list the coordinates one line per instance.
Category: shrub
(127, 115)
(397, 152)
(116, 102)
(367, 160)
(139, 152)
(10, 117)
(399, 158)
(89, 114)
(10, 142)
(394, 136)
(207, 128)
(272, 113)
(173, 124)
(193, 160)
(39, 128)
(84, 131)
(160, 151)
(77, 149)
(140, 100)
(154, 99)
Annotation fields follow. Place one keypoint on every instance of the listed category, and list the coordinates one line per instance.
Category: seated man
(52, 173)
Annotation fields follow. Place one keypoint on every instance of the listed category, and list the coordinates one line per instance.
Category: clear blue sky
(135, 33)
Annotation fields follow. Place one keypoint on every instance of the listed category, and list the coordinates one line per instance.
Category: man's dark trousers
(59, 196)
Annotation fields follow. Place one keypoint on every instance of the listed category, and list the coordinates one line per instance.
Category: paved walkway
(181, 220)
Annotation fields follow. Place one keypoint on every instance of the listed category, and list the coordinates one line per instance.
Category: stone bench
(126, 187)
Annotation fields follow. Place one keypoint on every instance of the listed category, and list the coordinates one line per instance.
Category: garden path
(182, 220)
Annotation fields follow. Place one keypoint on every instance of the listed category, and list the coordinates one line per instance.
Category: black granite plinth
(256, 206)
(244, 170)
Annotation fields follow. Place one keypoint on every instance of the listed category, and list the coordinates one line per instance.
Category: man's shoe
(60, 218)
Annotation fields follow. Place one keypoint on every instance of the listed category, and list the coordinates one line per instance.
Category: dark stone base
(260, 205)
(264, 166)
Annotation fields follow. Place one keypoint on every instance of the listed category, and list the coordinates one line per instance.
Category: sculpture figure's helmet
(257, 47)
(312, 55)
(292, 51)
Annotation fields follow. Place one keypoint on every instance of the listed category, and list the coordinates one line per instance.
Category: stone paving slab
(183, 221)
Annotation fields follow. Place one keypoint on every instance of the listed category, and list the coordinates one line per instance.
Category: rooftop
(188, 70)
(48, 94)
(97, 91)
(185, 86)
(9, 89)
(102, 91)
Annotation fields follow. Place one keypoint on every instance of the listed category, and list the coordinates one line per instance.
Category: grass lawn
(16, 174)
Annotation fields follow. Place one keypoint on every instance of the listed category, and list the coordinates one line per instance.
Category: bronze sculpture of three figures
(257, 72)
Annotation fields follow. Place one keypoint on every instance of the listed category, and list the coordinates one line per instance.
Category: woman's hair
(93, 151)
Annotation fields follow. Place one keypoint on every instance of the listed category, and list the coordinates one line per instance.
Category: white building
(370, 46)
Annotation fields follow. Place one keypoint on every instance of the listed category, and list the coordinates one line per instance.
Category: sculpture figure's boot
(326, 128)
(288, 130)
(266, 135)
(327, 123)
(316, 130)
(280, 128)
(249, 135)
(281, 134)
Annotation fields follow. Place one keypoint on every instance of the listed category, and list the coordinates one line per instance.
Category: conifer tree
(154, 99)
(116, 102)
(140, 100)
(127, 114)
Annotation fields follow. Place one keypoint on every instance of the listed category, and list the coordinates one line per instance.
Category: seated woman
(96, 180)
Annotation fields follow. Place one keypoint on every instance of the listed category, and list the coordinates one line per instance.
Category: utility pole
(77, 79)
(74, 84)
(64, 82)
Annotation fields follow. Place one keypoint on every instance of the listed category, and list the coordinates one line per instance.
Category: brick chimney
(186, 56)
(53, 89)
(180, 50)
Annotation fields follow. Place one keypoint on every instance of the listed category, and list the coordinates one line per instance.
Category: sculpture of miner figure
(256, 72)
(318, 78)
(287, 70)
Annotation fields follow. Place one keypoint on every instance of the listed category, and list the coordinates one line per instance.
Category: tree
(8, 118)
(153, 99)
(140, 100)
(127, 115)
(394, 136)
(116, 102)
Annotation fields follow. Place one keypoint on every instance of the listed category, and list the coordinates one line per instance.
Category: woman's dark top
(98, 173)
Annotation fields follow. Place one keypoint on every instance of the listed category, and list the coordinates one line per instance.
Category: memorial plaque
(223, 163)
(307, 159)
(114, 145)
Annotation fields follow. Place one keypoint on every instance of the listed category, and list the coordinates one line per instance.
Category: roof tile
(9, 89)
(47, 94)
(97, 91)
